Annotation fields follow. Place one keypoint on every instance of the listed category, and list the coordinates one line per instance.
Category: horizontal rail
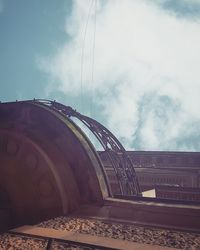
(70, 243)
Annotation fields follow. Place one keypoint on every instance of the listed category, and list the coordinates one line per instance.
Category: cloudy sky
(134, 65)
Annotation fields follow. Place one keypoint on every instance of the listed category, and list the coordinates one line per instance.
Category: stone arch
(48, 166)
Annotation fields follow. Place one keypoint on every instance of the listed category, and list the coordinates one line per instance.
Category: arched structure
(48, 166)
(120, 161)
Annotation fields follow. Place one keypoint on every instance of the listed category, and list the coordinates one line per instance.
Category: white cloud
(141, 52)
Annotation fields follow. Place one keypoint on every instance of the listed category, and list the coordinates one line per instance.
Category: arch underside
(48, 167)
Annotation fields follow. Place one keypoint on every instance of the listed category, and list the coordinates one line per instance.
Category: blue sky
(28, 30)
(132, 64)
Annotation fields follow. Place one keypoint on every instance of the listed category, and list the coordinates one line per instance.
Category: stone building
(58, 192)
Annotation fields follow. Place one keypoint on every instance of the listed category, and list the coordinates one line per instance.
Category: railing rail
(117, 155)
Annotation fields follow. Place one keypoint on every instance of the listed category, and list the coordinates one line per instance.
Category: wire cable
(93, 59)
(83, 50)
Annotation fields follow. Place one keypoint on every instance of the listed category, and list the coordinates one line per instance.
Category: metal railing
(117, 155)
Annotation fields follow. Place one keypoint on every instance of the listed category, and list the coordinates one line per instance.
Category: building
(53, 178)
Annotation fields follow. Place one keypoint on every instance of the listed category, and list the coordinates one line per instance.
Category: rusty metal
(118, 157)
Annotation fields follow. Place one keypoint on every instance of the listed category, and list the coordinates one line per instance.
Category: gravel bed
(135, 233)
(13, 242)
(18, 242)
(65, 246)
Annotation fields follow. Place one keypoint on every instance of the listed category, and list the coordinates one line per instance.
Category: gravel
(135, 233)
(18, 242)
(130, 232)
(13, 242)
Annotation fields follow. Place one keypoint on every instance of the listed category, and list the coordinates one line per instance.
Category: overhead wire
(83, 49)
(93, 60)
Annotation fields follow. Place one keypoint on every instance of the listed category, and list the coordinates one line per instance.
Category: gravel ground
(17, 242)
(135, 233)
(13, 242)
(140, 234)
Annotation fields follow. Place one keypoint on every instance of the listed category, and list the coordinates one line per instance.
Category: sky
(133, 65)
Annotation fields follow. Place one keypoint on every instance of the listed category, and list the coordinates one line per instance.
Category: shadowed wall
(47, 165)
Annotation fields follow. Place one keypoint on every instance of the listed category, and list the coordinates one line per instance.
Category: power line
(93, 58)
(83, 49)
